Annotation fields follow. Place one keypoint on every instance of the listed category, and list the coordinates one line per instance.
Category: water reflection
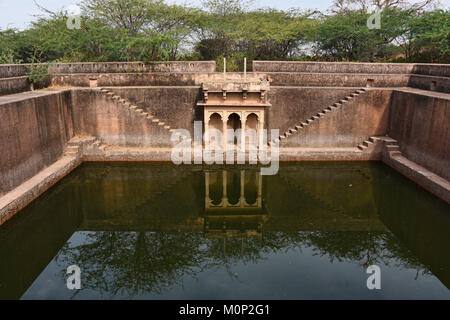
(242, 217)
(160, 231)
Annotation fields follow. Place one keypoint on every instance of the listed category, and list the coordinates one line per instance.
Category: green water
(158, 231)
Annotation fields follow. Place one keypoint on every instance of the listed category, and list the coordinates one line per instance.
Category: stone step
(389, 141)
(393, 147)
(367, 143)
(337, 104)
(362, 147)
(71, 151)
(291, 130)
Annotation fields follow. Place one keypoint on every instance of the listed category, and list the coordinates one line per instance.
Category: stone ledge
(24, 194)
(428, 180)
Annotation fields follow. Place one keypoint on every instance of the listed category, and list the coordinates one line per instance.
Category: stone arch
(234, 187)
(215, 122)
(215, 187)
(251, 187)
(251, 123)
(234, 123)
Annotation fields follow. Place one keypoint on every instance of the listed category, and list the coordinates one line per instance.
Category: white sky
(18, 13)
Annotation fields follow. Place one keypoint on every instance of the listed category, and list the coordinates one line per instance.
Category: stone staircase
(369, 144)
(72, 150)
(76, 146)
(127, 104)
(391, 146)
(304, 124)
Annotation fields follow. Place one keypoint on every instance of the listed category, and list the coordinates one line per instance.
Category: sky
(19, 13)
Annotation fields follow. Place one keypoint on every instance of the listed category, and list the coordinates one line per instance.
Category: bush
(38, 74)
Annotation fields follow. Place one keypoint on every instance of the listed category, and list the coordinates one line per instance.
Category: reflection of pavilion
(233, 204)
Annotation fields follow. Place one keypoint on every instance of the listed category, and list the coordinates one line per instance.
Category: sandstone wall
(96, 114)
(365, 116)
(33, 134)
(434, 77)
(421, 124)
(176, 105)
(332, 67)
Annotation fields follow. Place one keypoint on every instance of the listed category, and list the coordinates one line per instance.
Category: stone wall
(434, 77)
(421, 124)
(338, 79)
(33, 134)
(133, 67)
(176, 105)
(13, 85)
(432, 83)
(13, 70)
(96, 114)
(126, 79)
(13, 80)
(348, 126)
(332, 67)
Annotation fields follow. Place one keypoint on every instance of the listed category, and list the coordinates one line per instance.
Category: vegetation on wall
(150, 30)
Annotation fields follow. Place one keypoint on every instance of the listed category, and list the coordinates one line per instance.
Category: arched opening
(234, 123)
(215, 122)
(251, 187)
(251, 128)
(215, 187)
(234, 187)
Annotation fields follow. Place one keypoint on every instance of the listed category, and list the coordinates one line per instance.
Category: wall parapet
(133, 67)
(333, 67)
